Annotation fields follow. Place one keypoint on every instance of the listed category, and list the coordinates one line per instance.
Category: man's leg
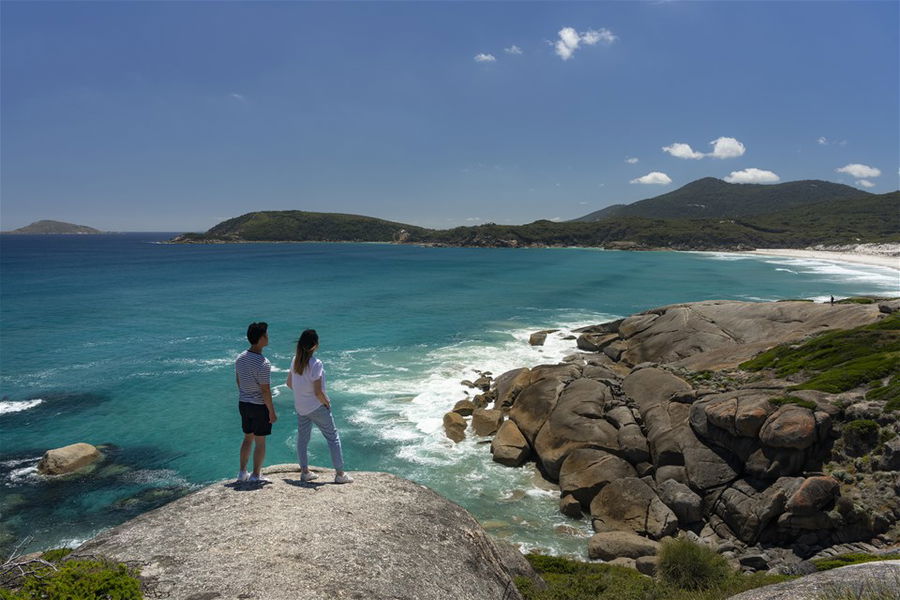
(245, 450)
(259, 454)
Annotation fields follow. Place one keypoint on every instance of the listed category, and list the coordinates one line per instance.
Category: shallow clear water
(119, 340)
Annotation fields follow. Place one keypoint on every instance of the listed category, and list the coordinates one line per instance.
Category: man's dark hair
(256, 331)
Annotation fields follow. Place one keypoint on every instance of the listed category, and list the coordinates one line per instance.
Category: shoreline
(874, 260)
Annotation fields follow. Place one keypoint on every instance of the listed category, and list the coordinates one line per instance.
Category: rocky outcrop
(646, 445)
(455, 426)
(68, 459)
(881, 579)
(381, 537)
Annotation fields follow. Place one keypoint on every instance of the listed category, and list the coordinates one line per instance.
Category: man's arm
(266, 390)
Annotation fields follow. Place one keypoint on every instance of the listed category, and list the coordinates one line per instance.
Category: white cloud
(513, 50)
(570, 40)
(679, 150)
(859, 171)
(653, 178)
(726, 147)
(485, 58)
(473, 219)
(631, 161)
(823, 141)
(238, 97)
(752, 176)
(865, 183)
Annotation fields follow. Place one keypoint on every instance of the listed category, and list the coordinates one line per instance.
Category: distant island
(55, 227)
(707, 214)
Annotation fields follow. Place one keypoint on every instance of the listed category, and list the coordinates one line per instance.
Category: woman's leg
(325, 422)
(304, 427)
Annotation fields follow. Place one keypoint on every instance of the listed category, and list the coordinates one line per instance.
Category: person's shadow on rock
(246, 486)
(304, 484)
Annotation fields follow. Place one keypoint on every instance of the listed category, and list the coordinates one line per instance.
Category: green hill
(714, 198)
(867, 219)
(298, 225)
(54, 227)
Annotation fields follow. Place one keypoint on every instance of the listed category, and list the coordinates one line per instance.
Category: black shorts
(255, 418)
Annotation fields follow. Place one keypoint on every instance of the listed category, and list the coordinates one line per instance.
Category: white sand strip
(874, 260)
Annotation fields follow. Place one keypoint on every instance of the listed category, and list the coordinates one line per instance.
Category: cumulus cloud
(653, 178)
(513, 50)
(631, 161)
(726, 147)
(865, 183)
(859, 171)
(569, 40)
(823, 141)
(238, 97)
(679, 150)
(484, 58)
(752, 176)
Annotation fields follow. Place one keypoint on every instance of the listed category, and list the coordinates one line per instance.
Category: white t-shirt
(305, 400)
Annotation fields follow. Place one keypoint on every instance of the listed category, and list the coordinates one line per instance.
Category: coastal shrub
(850, 558)
(793, 400)
(885, 392)
(831, 349)
(56, 554)
(854, 373)
(77, 579)
(691, 566)
(892, 405)
(855, 300)
(575, 580)
(860, 435)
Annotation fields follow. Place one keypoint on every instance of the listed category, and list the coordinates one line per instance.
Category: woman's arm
(320, 393)
(288, 382)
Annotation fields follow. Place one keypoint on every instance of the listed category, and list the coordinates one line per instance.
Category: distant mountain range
(713, 198)
(801, 219)
(54, 227)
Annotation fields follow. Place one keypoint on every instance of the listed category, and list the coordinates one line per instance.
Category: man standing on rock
(254, 401)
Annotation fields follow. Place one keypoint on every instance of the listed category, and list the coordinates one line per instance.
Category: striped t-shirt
(252, 371)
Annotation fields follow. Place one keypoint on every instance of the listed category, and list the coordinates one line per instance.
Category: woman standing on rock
(307, 380)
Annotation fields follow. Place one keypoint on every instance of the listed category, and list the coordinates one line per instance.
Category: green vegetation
(839, 360)
(574, 580)
(860, 435)
(691, 566)
(890, 393)
(855, 300)
(864, 218)
(793, 400)
(54, 227)
(75, 580)
(713, 198)
(56, 554)
(851, 558)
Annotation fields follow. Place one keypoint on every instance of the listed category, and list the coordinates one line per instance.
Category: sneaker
(258, 479)
(308, 476)
(243, 476)
(343, 478)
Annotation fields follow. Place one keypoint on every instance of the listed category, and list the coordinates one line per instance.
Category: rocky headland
(662, 425)
(380, 537)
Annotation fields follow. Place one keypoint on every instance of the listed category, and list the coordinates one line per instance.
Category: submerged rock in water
(380, 537)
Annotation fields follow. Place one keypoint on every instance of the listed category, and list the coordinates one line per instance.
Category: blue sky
(173, 116)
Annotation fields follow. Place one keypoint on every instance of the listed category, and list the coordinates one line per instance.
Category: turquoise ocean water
(123, 341)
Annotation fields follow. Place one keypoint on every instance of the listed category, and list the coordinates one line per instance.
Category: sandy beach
(877, 260)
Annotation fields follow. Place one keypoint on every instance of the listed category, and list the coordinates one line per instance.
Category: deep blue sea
(126, 342)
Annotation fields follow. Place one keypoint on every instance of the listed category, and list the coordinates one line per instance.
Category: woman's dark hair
(309, 339)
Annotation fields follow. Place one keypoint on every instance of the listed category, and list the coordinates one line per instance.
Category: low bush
(575, 580)
(793, 400)
(76, 580)
(860, 435)
(850, 558)
(691, 566)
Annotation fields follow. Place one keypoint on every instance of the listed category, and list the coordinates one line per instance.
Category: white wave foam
(13, 406)
(23, 475)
